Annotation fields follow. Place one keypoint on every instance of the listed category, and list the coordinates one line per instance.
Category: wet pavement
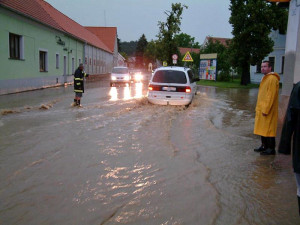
(120, 160)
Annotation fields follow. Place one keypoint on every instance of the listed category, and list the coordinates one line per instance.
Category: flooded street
(121, 160)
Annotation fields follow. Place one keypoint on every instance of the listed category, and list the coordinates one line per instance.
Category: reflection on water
(113, 94)
(138, 90)
(126, 93)
(103, 165)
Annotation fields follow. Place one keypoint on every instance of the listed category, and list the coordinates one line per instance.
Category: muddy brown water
(120, 160)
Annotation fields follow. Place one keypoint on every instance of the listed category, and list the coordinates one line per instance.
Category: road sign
(165, 63)
(174, 61)
(174, 57)
(187, 57)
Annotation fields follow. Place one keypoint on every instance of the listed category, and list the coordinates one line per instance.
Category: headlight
(126, 78)
(113, 78)
(138, 76)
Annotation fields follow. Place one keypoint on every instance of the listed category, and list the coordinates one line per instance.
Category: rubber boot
(78, 103)
(74, 103)
(298, 204)
(263, 146)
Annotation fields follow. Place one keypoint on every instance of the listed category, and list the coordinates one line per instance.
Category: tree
(151, 53)
(140, 50)
(222, 51)
(186, 41)
(166, 44)
(119, 44)
(124, 55)
(252, 22)
(128, 47)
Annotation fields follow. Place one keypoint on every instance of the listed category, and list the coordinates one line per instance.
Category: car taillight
(188, 90)
(154, 88)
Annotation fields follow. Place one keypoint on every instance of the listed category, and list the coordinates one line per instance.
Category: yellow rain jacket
(267, 103)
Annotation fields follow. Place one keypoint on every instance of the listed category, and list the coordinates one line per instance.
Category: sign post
(174, 57)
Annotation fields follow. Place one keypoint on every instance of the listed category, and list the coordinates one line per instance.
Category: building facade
(276, 58)
(41, 47)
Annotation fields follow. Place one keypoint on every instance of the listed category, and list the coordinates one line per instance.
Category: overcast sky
(135, 17)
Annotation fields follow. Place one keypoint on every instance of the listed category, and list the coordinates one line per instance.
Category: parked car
(172, 86)
(120, 75)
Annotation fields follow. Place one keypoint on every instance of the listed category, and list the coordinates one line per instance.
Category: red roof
(223, 41)
(47, 14)
(106, 34)
(185, 50)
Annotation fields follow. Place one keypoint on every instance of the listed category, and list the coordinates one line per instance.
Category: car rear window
(120, 70)
(169, 76)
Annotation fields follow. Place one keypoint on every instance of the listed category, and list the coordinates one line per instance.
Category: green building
(41, 47)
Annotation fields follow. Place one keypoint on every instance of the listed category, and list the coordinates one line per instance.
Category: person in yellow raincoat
(267, 110)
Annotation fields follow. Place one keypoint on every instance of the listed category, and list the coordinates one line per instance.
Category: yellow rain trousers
(267, 103)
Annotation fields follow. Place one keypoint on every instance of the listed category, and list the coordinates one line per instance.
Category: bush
(224, 76)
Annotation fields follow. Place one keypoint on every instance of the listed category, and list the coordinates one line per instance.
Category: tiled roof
(184, 50)
(223, 41)
(106, 34)
(47, 14)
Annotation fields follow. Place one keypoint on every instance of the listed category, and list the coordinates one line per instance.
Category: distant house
(183, 51)
(131, 62)
(42, 47)
(223, 41)
(121, 60)
(276, 58)
(109, 37)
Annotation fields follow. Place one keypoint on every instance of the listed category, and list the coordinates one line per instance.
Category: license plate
(169, 88)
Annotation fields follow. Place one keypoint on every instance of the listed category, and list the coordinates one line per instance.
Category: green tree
(252, 22)
(166, 44)
(128, 47)
(140, 50)
(151, 53)
(124, 55)
(186, 41)
(119, 44)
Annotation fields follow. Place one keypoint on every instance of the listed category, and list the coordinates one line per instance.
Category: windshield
(120, 70)
(169, 76)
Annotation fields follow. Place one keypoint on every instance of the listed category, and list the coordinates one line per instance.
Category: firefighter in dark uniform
(79, 84)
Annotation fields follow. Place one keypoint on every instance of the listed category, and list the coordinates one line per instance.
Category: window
(272, 62)
(79, 61)
(120, 70)
(85, 60)
(57, 61)
(282, 64)
(15, 46)
(169, 76)
(43, 61)
(258, 67)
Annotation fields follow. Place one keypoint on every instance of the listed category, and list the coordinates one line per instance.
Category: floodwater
(121, 160)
